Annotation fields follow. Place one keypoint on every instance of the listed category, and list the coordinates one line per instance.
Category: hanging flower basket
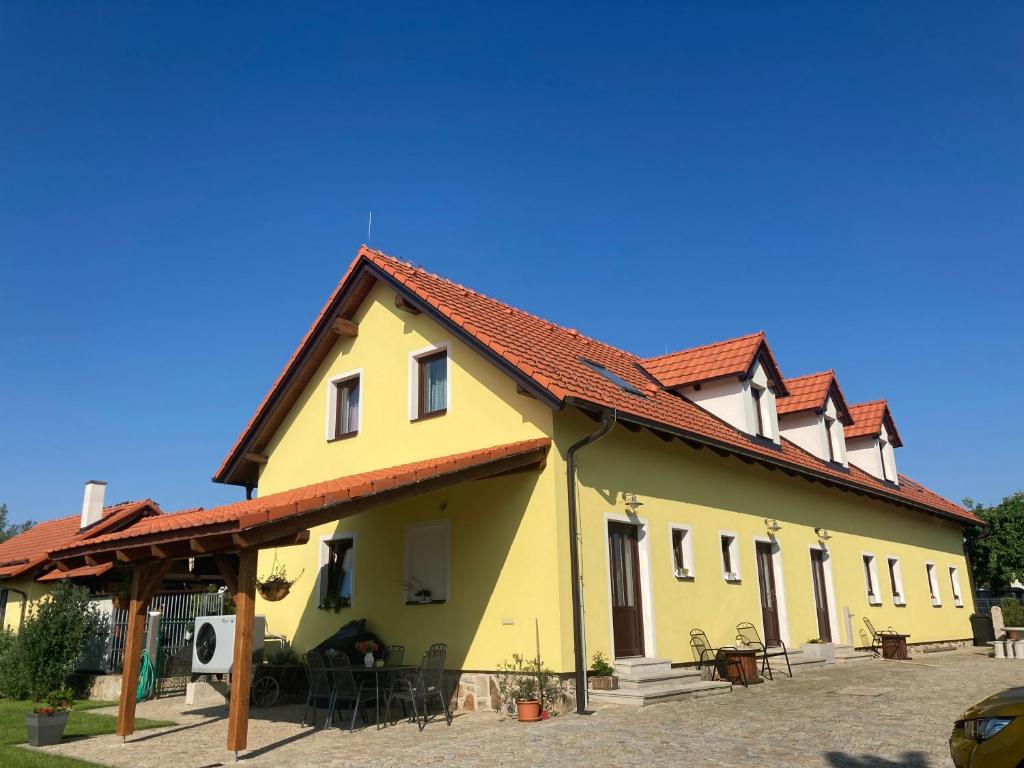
(274, 591)
(277, 585)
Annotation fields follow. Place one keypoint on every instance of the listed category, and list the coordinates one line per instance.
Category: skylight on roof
(614, 378)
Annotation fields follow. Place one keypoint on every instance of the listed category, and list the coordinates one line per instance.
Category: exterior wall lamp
(772, 525)
(631, 501)
(823, 535)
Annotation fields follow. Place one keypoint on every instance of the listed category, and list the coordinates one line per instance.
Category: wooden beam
(255, 458)
(208, 544)
(291, 540)
(227, 572)
(402, 304)
(344, 327)
(241, 669)
(145, 580)
(661, 435)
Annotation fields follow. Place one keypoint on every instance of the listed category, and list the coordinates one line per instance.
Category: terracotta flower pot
(274, 592)
(529, 711)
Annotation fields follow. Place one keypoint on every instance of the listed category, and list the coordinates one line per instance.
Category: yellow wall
(509, 536)
(504, 545)
(678, 484)
(32, 588)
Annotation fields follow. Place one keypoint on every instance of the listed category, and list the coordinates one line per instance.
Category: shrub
(600, 667)
(53, 637)
(1013, 612)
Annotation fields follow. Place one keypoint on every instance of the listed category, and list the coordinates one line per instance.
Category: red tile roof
(549, 359)
(297, 501)
(76, 573)
(732, 357)
(810, 393)
(26, 551)
(868, 419)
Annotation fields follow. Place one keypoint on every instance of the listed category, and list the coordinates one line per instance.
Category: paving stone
(794, 722)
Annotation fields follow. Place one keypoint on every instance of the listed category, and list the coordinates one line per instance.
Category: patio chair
(746, 635)
(878, 634)
(420, 689)
(393, 654)
(715, 657)
(321, 687)
(347, 689)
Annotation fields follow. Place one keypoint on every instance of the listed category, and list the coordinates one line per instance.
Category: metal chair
(346, 689)
(704, 653)
(878, 634)
(321, 686)
(393, 654)
(746, 635)
(422, 687)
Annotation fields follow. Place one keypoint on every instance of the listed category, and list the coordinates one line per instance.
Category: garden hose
(147, 678)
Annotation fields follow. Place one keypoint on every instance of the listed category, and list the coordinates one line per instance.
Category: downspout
(607, 422)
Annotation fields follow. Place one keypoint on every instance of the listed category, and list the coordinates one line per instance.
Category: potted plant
(819, 648)
(367, 648)
(277, 585)
(1013, 616)
(47, 720)
(524, 687)
(332, 602)
(602, 677)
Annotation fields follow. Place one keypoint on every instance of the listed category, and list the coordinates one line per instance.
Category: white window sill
(874, 601)
(732, 577)
(683, 573)
(958, 603)
(898, 601)
(936, 603)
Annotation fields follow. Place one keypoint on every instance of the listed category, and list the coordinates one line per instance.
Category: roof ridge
(504, 304)
(107, 508)
(871, 402)
(704, 346)
(829, 372)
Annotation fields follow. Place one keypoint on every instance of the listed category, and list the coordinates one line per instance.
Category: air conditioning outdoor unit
(214, 648)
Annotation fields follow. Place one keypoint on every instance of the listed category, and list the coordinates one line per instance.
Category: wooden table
(739, 665)
(894, 646)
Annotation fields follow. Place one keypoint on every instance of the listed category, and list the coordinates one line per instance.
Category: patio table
(382, 671)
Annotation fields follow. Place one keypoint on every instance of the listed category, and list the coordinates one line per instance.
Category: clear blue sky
(181, 185)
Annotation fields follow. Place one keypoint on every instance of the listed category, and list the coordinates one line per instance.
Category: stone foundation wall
(478, 692)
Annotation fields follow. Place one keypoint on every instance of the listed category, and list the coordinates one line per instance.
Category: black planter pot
(44, 730)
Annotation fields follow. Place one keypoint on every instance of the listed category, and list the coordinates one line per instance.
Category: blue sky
(182, 184)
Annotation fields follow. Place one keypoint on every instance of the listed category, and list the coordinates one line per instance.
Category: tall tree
(997, 548)
(8, 530)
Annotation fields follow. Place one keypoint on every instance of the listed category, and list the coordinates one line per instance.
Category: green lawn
(81, 723)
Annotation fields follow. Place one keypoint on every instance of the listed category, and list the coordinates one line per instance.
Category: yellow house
(699, 489)
(26, 572)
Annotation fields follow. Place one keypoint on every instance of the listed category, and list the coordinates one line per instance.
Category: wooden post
(145, 581)
(241, 667)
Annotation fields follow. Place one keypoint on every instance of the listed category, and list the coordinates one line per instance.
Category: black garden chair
(421, 688)
(347, 690)
(320, 692)
(716, 658)
(747, 636)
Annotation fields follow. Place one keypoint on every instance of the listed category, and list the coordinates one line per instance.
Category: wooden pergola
(233, 536)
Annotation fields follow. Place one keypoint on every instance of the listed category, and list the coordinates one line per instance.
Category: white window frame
(687, 550)
(933, 583)
(444, 524)
(324, 552)
(897, 575)
(876, 598)
(734, 557)
(414, 377)
(332, 402)
(954, 579)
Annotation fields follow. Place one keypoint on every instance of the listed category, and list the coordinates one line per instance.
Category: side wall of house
(32, 588)
(712, 494)
(504, 548)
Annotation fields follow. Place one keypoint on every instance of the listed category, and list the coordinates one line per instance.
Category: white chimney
(92, 504)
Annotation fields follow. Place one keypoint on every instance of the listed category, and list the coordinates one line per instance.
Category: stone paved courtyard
(866, 713)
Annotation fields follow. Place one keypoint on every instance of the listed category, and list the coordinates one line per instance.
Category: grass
(81, 723)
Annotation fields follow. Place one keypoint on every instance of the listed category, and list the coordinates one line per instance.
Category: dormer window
(759, 420)
(883, 460)
(830, 438)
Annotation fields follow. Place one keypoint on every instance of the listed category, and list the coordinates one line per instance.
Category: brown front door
(627, 609)
(769, 604)
(820, 595)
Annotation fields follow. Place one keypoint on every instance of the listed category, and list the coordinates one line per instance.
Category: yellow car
(991, 733)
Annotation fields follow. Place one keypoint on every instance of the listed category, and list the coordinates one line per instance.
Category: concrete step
(847, 653)
(634, 697)
(657, 678)
(796, 658)
(638, 666)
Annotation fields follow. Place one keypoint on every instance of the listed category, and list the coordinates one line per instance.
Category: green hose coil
(147, 678)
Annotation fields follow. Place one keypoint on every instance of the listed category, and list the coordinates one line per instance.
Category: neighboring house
(26, 573)
(402, 365)
(472, 474)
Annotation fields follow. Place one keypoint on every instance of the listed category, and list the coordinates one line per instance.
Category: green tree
(997, 548)
(9, 530)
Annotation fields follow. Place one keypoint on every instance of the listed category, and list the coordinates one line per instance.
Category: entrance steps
(847, 653)
(644, 681)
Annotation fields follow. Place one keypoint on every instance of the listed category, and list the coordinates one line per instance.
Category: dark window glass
(614, 378)
(346, 408)
(433, 384)
(757, 392)
(867, 576)
(336, 574)
(727, 554)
